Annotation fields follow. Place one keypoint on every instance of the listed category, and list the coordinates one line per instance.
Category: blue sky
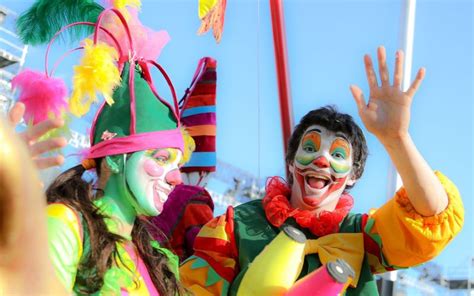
(326, 42)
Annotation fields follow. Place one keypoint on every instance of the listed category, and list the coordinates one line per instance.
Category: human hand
(33, 133)
(24, 259)
(387, 114)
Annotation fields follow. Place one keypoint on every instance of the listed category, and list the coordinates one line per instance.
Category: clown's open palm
(387, 114)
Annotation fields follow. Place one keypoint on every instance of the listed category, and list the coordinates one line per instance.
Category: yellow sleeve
(65, 242)
(410, 239)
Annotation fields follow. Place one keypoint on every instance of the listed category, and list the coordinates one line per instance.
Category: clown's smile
(316, 186)
(151, 176)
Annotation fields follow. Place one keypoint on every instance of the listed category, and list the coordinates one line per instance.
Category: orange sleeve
(409, 239)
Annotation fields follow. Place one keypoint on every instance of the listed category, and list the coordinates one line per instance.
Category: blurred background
(326, 41)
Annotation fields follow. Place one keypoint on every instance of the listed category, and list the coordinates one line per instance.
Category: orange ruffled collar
(277, 209)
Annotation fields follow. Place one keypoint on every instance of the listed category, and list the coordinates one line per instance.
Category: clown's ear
(115, 163)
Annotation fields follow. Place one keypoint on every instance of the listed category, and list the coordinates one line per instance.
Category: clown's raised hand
(387, 113)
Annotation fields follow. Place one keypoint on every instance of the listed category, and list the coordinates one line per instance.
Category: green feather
(38, 24)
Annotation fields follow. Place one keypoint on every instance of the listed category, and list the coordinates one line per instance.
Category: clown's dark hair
(70, 189)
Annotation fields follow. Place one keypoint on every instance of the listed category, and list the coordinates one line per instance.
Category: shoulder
(62, 217)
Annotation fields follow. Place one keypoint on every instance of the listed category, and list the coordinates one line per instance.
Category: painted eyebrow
(313, 130)
(341, 135)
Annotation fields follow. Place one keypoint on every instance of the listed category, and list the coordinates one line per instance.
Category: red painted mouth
(321, 181)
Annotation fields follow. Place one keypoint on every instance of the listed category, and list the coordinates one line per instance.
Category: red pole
(281, 62)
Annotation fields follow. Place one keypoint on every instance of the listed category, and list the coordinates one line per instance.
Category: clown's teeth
(162, 198)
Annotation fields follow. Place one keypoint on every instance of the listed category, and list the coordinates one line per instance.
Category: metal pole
(407, 36)
(281, 62)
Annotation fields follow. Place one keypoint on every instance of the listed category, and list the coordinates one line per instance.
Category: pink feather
(41, 95)
(147, 43)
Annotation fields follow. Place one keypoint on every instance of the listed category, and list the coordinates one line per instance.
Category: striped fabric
(198, 115)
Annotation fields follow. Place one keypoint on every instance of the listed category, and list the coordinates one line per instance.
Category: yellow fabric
(347, 246)
(217, 232)
(410, 239)
(68, 216)
(205, 6)
(65, 243)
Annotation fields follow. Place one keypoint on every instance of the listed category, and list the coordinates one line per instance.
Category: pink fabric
(199, 119)
(142, 270)
(138, 142)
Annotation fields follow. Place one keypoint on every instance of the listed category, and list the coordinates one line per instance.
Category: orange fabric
(195, 280)
(201, 130)
(216, 246)
(410, 239)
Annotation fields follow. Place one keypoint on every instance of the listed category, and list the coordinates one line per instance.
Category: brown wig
(69, 188)
(334, 121)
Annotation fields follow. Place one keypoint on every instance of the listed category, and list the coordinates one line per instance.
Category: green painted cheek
(340, 168)
(304, 159)
(135, 182)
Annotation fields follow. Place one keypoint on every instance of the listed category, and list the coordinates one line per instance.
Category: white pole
(407, 36)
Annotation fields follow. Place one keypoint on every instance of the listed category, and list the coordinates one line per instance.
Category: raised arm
(387, 116)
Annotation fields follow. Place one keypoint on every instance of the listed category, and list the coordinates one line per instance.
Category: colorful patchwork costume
(392, 237)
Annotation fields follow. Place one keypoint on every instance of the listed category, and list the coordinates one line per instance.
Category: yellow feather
(121, 4)
(97, 73)
(189, 146)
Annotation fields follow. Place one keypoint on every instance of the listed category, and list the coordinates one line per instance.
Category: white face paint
(151, 176)
(321, 169)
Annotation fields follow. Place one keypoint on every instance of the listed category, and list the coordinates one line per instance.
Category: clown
(98, 231)
(326, 156)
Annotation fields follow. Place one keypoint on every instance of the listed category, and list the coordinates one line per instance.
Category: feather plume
(147, 42)
(43, 96)
(121, 4)
(212, 15)
(189, 145)
(38, 24)
(97, 73)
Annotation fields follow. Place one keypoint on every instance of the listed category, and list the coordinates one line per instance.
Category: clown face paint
(321, 169)
(151, 176)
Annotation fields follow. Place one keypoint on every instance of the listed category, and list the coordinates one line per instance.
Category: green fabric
(252, 233)
(64, 248)
(151, 114)
(41, 21)
(173, 259)
(65, 255)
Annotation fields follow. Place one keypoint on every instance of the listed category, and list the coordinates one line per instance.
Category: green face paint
(339, 167)
(304, 159)
(148, 175)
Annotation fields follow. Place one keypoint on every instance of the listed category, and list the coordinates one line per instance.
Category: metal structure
(12, 57)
